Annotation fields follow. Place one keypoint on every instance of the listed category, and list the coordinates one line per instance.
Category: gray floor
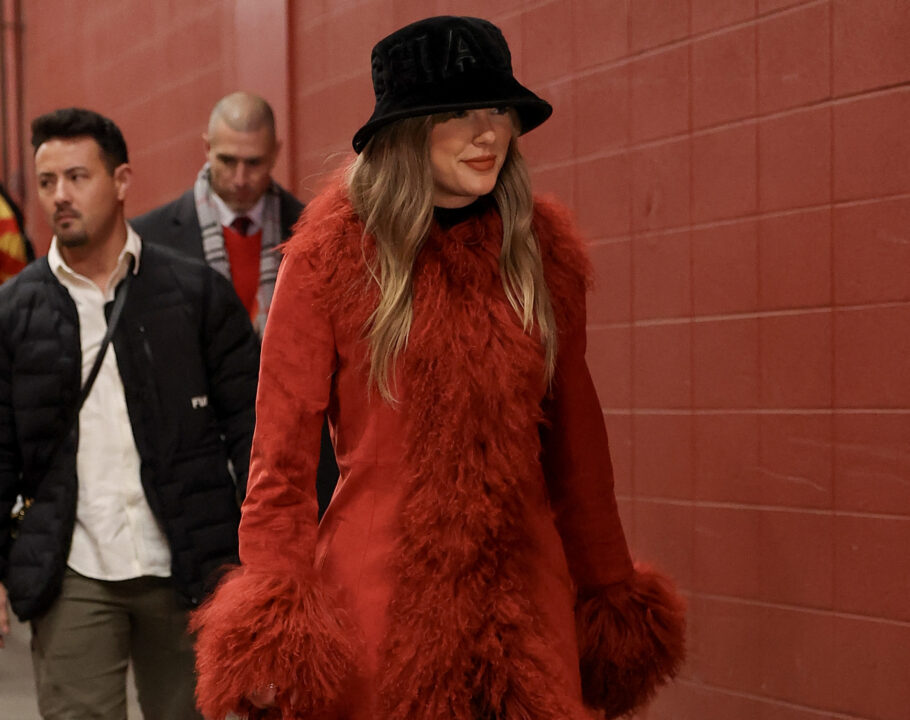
(17, 686)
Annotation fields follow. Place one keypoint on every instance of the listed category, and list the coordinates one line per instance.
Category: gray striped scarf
(213, 241)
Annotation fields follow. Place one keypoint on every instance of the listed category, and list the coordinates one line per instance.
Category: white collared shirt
(116, 536)
(226, 216)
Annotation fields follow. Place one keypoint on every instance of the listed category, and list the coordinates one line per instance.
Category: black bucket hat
(442, 64)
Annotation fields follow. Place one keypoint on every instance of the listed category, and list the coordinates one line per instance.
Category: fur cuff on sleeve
(631, 639)
(261, 628)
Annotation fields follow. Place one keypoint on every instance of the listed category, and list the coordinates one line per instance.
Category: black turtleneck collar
(450, 217)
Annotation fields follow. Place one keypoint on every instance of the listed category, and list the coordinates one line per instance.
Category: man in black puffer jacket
(133, 509)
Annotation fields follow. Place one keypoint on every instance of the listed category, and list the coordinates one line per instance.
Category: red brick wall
(742, 168)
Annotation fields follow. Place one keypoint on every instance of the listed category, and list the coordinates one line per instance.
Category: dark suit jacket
(176, 225)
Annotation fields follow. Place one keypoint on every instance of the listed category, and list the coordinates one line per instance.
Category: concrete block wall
(742, 169)
(155, 68)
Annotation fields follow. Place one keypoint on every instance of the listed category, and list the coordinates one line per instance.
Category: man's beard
(72, 238)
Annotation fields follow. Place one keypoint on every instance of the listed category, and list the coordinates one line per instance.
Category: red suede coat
(471, 564)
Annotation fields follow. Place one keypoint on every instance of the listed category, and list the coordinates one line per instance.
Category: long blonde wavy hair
(390, 184)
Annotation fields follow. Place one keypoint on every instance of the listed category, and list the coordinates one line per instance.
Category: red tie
(241, 224)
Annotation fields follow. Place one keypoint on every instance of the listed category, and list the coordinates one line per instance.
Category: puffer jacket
(188, 358)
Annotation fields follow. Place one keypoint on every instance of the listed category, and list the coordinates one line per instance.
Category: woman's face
(467, 151)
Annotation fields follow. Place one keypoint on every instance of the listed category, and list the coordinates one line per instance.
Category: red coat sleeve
(576, 458)
(630, 621)
(271, 620)
(295, 381)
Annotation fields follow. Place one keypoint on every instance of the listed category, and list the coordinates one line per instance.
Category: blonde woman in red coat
(471, 564)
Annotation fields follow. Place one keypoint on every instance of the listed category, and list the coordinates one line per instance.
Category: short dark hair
(78, 122)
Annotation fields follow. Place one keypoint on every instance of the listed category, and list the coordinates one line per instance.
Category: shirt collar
(226, 216)
(132, 248)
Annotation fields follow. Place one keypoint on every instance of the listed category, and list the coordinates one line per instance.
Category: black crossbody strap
(116, 312)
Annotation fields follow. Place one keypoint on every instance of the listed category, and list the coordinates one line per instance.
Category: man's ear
(123, 176)
(206, 143)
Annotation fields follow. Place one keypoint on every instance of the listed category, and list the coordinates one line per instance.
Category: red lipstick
(483, 163)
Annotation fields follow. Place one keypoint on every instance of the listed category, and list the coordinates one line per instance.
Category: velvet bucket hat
(442, 64)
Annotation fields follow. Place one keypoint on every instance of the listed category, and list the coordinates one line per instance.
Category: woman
(471, 564)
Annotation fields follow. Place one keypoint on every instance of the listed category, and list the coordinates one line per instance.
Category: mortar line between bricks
(760, 411)
(774, 702)
(732, 599)
(752, 315)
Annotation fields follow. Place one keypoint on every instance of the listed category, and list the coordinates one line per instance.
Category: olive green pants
(82, 646)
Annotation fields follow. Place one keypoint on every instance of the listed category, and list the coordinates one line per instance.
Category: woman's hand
(264, 697)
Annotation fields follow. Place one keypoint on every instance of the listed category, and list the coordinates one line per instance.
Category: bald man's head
(244, 112)
(241, 147)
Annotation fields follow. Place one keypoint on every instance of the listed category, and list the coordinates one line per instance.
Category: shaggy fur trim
(465, 639)
(329, 236)
(262, 628)
(631, 638)
(567, 268)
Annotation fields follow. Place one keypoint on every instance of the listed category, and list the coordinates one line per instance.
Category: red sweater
(243, 255)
